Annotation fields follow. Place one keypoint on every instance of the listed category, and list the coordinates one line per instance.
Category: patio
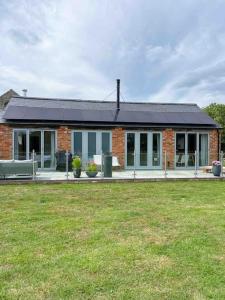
(126, 175)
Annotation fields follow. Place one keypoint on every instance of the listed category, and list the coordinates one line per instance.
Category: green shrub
(76, 163)
(92, 167)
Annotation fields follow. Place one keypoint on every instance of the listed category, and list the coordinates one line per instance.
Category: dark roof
(90, 111)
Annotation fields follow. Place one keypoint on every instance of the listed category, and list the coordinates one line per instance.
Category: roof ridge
(105, 101)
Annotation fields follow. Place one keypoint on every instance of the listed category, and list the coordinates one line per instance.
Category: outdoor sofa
(17, 168)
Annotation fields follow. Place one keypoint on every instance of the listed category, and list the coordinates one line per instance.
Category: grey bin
(108, 164)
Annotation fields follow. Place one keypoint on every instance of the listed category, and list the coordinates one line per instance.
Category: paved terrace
(127, 175)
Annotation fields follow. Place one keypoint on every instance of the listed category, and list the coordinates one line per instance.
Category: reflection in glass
(130, 149)
(105, 142)
(180, 149)
(192, 147)
(49, 149)
(20, 141)
(143, 149)
(203, 150)
(156, 149)
(91, 145)
(77, 140)
(35, 144)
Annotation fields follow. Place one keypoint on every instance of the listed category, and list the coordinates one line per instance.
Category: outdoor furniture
(61, 161)
(181, 160)
(98, 160)
(17, 168)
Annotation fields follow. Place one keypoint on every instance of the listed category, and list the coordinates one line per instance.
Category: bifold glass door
(191, 146)
(35, 144)
(86, 143)
(42, 142)
(143, 150)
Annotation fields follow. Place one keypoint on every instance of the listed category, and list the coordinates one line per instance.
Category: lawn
(163, 240)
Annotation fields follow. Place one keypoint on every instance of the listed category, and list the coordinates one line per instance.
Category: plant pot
(216, 170)
(76, 173)
(91, 174)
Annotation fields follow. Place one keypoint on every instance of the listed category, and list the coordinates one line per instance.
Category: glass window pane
(156, 159)
(130, 149)
(49, 149)
(20, 140)
(143, 149)
(77, 139)
(192, 147)
(180, 150)
(35, 144)
(203, 150)
(91, 145)
(105, 142)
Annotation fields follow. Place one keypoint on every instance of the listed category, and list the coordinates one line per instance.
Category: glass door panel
(203, 150)
(91, 145)
(156, 151)
(180, 150)
(49, 149)
(35, 144)
(130, 149)
(77, 144)
(105, 142)
(143, 149)
(191, 148)
(20, 145)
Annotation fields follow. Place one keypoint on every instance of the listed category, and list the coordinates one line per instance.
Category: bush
(76, 163)
(92, 167)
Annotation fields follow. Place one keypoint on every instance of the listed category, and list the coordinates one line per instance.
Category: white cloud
(165, 50)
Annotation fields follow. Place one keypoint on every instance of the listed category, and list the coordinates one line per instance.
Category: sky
(164, 50)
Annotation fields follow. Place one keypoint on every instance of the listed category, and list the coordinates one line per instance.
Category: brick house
(4, 98)
(139, 134)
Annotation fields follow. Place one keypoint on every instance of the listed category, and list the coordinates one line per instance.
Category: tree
(217, 113)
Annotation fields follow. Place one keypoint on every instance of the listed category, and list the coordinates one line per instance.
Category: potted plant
(216, 168)
(91, 170)
(76, 164)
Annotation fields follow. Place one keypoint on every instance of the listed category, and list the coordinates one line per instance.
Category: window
(203, 149)
(144, 150)
(91, 145)
(189, 146)
(78, 143)
(130, 149)
(180, 150)
(88, 143)
(105, 142)
(192, 147)
(156, 149)
(42, 142)
(20, 144)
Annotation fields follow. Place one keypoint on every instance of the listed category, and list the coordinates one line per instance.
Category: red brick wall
(118, 144)
(64, 138)
(213, 145)
(5, 142)
(168, 144)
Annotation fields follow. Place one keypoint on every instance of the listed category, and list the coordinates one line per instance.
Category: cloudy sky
(164, 50)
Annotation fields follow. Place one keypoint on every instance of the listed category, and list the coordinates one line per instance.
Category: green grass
(163, 240)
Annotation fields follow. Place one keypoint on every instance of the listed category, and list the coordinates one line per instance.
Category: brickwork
(5, 142)
(118, 144)
(213, 146)
(64, 138)
(168, 144)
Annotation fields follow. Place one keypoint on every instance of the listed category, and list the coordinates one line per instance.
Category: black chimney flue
(118, 94)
